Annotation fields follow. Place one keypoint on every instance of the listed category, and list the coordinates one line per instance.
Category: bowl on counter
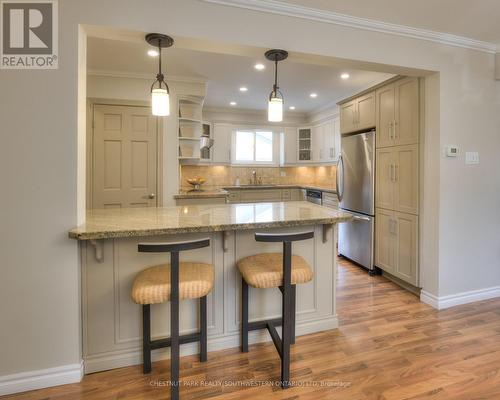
(196, 182)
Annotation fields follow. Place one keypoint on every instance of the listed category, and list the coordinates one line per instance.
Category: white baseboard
(442, 302)
(119, 359)
(43, 378)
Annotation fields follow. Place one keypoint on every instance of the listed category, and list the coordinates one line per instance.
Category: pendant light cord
(275, 74)
(160, 75)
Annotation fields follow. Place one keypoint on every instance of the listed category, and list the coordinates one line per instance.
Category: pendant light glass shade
(275, 109)
(160, 102)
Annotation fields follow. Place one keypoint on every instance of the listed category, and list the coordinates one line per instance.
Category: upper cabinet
(358, 114)
(319, 143)
(288, 146)
(221, 151)
(304, 145)
(331, 141)
(398, 113)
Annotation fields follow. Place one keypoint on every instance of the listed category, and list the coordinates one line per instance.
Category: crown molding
(140, 75)
(314, 14)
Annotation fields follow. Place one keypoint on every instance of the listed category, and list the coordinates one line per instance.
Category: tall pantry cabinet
(397, 179)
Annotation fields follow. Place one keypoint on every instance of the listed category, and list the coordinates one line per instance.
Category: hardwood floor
(388, 346)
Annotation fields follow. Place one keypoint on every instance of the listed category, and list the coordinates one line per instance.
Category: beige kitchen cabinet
(396, 245)
(397, 179)
(397, 110)
(297, 194)
(348, 116)
(366, 111)
(234, 197)
(288, 146)
(256, 195)
(385, 112)
(384, 240)
(358, 114)
(201, 201)
(250, 195)
(221, 150)
(331, 140)
(330, 200)
(286, 194)
(384, 179)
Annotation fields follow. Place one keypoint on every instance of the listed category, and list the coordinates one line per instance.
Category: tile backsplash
(221, 175)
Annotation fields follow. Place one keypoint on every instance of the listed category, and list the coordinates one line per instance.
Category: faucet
(254, 177)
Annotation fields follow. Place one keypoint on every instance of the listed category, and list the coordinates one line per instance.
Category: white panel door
(124, 157)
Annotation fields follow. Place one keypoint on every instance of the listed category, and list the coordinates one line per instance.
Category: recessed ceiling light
(259, 67)
(345, 75)
(243, 89)
(233, 103)
(291, 107)
(153, 53)
(313, 95)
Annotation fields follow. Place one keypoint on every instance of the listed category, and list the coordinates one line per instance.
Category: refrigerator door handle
(359, 218)
(340, 182)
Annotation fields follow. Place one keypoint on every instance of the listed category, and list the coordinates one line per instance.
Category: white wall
(39, 285)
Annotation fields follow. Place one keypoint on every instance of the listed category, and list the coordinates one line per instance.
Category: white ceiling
(224, 75)
(475, 19)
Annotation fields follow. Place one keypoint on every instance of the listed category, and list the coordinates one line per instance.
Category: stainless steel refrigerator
(356, 193)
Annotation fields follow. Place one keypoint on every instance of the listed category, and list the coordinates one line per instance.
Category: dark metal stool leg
(286, 315)
(174, 326)
(294, 311)
(244, 316)
(203, 329)
(146, 339)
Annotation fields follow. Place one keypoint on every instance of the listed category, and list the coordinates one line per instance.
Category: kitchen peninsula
(110, 261)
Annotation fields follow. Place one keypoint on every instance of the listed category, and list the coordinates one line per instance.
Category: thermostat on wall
(451, 151)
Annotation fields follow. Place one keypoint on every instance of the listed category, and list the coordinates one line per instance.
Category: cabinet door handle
(395, 172)
(394, 124)
(392, 172)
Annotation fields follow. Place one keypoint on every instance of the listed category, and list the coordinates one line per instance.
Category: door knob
(152, 196)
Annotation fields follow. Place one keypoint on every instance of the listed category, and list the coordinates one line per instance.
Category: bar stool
(275, 270)
(174, 281)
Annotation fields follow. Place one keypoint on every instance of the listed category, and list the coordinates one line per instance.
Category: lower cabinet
(263, 195)
(330, 200)
(396, 244)
(260, 195)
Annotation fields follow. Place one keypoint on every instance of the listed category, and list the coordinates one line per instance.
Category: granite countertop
(201, 194)
(132, 222)
(280, 186)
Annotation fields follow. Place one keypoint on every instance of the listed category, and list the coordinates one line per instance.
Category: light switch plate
(471, 157)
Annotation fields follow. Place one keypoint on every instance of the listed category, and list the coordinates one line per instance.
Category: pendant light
(275, 105)
(160, 96)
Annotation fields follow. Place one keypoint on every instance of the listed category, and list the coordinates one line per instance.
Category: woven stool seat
(265, 270)
(152, 285)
